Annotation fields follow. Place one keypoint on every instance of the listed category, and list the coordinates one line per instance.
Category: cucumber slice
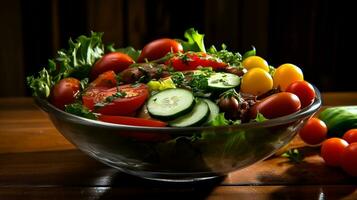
(213, 108)
(196, 117)
(223, 80)
(170, 103)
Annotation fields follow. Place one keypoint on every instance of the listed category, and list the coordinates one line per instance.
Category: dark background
(318, 36)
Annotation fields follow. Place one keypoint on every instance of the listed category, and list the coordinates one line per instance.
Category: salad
(170, 82)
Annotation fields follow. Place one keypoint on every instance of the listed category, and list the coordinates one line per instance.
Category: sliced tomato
(137, 135)
(132, 121)
(134, 98)
(192, 60)
(107, 80)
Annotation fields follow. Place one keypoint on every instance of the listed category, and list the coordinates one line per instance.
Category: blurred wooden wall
(312, 34)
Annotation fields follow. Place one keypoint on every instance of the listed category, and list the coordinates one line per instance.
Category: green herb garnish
(294, 155)
(80, 110)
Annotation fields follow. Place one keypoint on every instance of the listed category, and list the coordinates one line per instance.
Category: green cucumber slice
(196, 117)
(170, 104)
(223, 80)
(214, 110)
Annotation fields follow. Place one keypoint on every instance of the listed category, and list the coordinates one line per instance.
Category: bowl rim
(307, 111)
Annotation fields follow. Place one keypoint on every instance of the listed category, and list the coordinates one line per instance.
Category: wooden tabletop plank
(38, 162)
(311, 192)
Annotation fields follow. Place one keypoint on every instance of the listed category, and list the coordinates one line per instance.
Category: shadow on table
(132, 187)
(311, 180)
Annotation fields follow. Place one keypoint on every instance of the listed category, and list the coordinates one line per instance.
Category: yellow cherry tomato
(255, 62)
(256, 82)
(285, 75)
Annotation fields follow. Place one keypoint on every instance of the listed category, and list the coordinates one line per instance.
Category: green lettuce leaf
(76, 61)
(130, 51)
(194, 41)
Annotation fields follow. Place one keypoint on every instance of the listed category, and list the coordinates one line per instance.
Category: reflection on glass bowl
(179, 154)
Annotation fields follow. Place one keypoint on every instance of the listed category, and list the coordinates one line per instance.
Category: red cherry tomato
(276, 105)
(304, 91)
(106, 80)
(314, 131)
(351, 136)
(159, 48)
(332, 150)
(349, 159)
(135, 96)
(115, 61)
(64, 92)
(192, 60)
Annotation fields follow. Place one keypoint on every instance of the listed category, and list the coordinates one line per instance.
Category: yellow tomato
(256, 82)
(255, 62)
(286, 74)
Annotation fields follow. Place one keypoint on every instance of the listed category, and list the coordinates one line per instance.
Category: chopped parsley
(80, 110)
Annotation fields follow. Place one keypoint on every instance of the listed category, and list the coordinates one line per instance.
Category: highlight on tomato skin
(159, 48)
(304, 91)
(350, 136)
(349, 159)
(314, 132)
(332, 150)
(64, 92)
(115, 61)
(276, 105)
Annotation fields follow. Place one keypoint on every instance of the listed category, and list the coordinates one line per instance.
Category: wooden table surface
(36, 162)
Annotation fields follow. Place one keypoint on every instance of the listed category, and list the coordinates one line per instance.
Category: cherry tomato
(332, 150)
(106, 80)
(64, 92)
(350, 136)
(304, 91)
(192, 60)
(159, 48)
(135, 96)
(286, 74)
(276, 105)
(349, 159)
(256, 82)
(115, 61)
(255, 62)
(314, 131)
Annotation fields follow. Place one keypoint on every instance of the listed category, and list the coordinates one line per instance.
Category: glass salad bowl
(179, 154)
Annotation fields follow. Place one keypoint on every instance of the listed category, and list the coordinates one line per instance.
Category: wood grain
(36, 162)
(209, 193)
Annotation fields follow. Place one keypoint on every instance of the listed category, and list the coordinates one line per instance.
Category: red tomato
(135, 96)
(132, 121)
(332, 150)
(115, 61)
(350, 136)
(191, 60)
(276, 105)
(64, 92)
(137, 135)
(349, 159)
(304, 91)
(314, 131)
(107, 80)
(159, 48)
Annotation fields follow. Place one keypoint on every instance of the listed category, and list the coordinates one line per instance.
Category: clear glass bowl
(179, 154)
